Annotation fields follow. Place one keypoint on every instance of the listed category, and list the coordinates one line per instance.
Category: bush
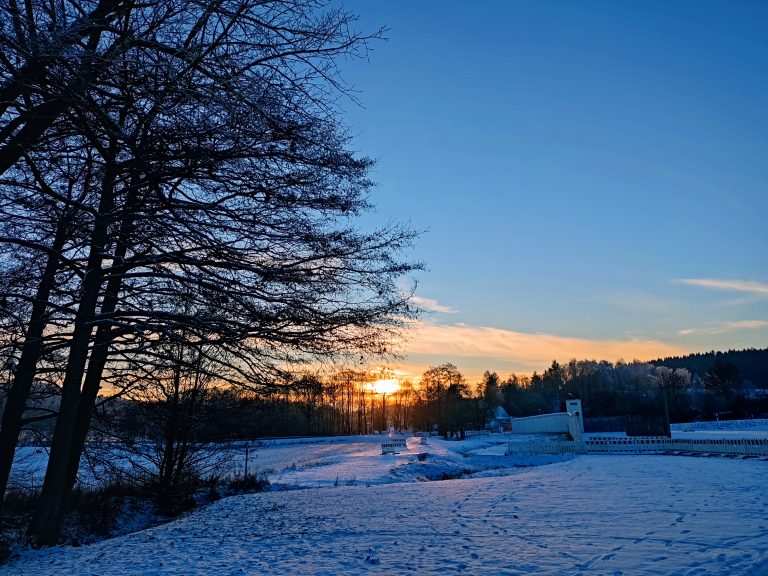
(18, 507)
(94, 514)
(97, 511)
(251, 482)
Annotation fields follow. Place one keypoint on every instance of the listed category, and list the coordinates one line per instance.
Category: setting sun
(386, 386)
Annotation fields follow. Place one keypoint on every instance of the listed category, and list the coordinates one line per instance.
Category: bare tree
(171, 400)
(217, 167)
(42, 202)
(440, 382)
(50, 51)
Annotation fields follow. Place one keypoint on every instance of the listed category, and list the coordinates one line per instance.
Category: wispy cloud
(431, 305)
(726, 327)
(728, 285)
(525, 351)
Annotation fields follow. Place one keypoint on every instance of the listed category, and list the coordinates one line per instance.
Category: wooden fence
(643, 445)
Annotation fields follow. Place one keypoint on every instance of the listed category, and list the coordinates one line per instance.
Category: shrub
(250, 482)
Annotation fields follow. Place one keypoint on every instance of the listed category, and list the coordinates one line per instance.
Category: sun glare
(386, 386)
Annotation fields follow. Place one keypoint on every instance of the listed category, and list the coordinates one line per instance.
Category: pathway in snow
(630, 515)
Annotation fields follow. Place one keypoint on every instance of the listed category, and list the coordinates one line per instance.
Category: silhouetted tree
(309, 391)
(215, 167)
(722, 377)
(436, 382)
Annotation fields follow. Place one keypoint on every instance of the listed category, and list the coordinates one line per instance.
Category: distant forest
(752, 364)
(709, 386)
(703, 386)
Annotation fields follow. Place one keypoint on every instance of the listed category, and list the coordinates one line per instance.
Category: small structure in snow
(500, 420)
(394, 444)
(573, 407)
(571, 422)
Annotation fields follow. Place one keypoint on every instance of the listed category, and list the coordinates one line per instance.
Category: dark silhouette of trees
(173, 401)
(442, 387)
(491, 390)
(50, 52)
(639, 388)
(751, 364)
(208, 166)
(722, 377)
(309, 391)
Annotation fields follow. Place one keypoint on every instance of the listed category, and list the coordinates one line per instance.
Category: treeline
(635, 389)
(345, 402)
(752, 364)
(342, 403)
(443, 401)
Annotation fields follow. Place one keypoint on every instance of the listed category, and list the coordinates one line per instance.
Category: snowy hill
(359, 512)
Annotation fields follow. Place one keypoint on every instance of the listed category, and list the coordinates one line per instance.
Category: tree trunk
(91, 385)
(100, 349)
(30, 353)
(48, 518)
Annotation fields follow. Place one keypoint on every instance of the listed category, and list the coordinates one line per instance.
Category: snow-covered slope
(629, 515)
(358, 460)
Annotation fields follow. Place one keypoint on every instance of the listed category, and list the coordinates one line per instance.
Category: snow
(757, 428)
(358, 460)
(340, 507)
(596, 515)
(756, 424)
(724, 429)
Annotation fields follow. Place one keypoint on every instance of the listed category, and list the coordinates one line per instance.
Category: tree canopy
(178, 174)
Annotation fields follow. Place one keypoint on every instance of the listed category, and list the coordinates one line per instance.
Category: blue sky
(592, 176)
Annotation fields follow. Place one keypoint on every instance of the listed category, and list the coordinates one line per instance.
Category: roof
(500, 413)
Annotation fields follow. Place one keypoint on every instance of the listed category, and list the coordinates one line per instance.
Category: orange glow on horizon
(386, 386)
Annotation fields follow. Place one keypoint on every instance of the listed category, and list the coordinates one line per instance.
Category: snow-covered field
(359, 512)
(722, 429)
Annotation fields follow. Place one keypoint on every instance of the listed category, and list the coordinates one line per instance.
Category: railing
(468, 433)
(545, 447)
(643, 445)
